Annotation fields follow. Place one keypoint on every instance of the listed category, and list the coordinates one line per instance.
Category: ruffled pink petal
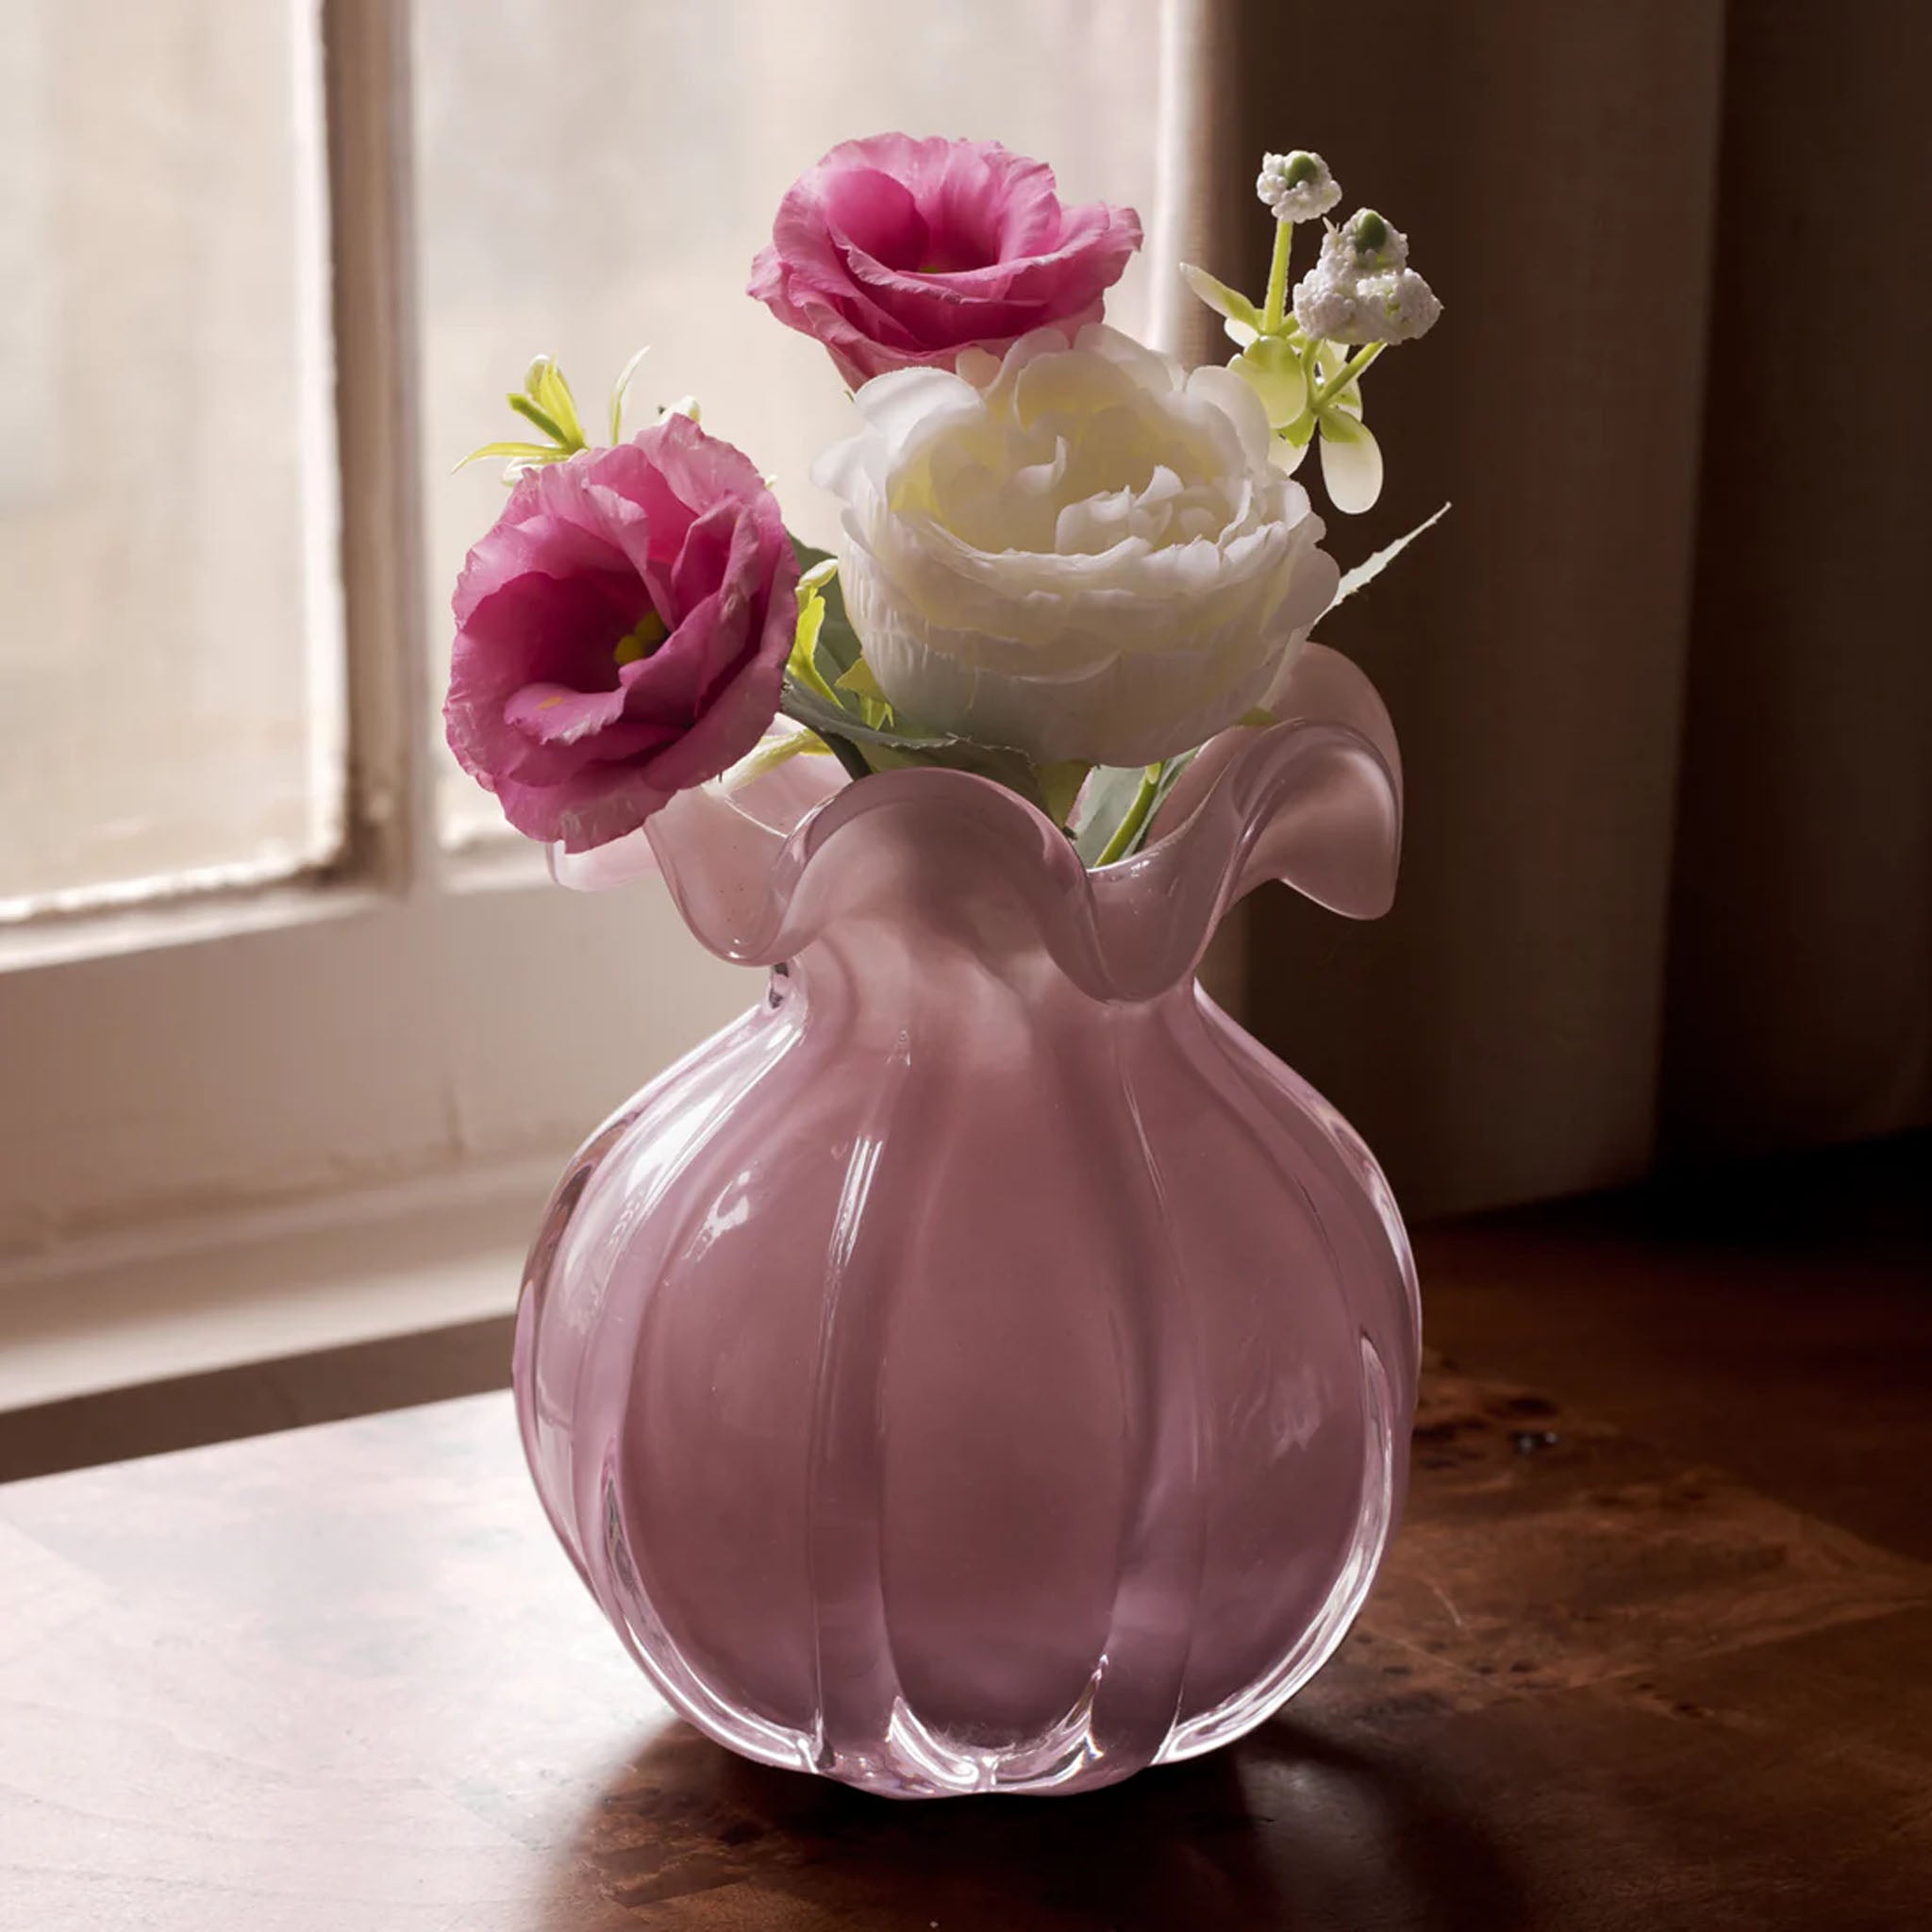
(544, 545)
(1084, 258)
(1008, 203)
(739, 706)
(576, 746)
(538, 630)
(592, 808)
(555, 714)
(896, 251)
(735, 718)
(701, 564)
(827, 304)
(702, 470)
(875, 213)
(1005, 299)
(630, 474)
(669, 686)
(979, 195)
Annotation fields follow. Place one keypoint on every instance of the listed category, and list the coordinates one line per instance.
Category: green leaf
(1224, 300)
(837, 641)
(825, 658)
(620, 388)
(513, 452)
(1108, 798)
(860, 682)
(803, 663)
(534, 412)
(873, 705)
(1372, 567)
(893, 747)
(1012, 769)
(1272, 369)
(823, 713)
(546, 387)
(1336, 428)
(1111, 795)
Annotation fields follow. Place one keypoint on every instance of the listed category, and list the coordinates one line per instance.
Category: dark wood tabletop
(1652, 1649)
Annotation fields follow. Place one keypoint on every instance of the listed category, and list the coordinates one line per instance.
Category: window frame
(325, 1033)
(195, 1060)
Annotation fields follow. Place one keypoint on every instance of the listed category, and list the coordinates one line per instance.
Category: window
(271, 267)
(174, 640)
(595, 177)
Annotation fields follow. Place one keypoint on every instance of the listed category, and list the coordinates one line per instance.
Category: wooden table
(341, 1678)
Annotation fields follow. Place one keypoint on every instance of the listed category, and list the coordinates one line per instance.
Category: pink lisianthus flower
(621, 633)
(897, 253)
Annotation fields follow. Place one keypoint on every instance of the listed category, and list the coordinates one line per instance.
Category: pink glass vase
(983, 1366)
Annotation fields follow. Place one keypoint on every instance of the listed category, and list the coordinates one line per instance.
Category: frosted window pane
(170, 653)
(595, 174)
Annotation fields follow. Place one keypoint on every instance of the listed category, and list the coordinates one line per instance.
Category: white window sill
(117, 1312)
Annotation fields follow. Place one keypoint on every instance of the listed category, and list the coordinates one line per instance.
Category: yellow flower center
(649, 632)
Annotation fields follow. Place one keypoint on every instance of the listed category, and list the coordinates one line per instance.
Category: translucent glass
(983, 1366)
(597, 174)
(171, 668)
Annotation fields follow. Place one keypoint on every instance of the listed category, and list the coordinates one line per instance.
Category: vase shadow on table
(1291, 1827)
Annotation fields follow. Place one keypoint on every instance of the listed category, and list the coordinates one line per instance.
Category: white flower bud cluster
(1363, 289)
(1394, 308)
(1296, 187)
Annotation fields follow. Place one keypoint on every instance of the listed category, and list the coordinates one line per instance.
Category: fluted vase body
(983, 1366)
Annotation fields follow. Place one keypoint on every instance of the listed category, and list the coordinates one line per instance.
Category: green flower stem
(1274, 311)
(1129, 827)
(773, 753)
(848, 755)
(1344, 376)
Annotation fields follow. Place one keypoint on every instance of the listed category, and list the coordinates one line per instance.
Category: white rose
(1079, 553)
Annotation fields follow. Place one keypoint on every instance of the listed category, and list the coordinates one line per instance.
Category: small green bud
(1376, 244)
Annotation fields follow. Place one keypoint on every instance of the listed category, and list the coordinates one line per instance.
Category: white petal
(1121, 625)
(1151, 368)
(904, 400)
(1274, 371)
(978, 366)
(1287, 457)
(842, 467)
(1351, 467)
(1235, 397)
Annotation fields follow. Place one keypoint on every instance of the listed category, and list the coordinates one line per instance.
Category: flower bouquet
(983, 1366)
